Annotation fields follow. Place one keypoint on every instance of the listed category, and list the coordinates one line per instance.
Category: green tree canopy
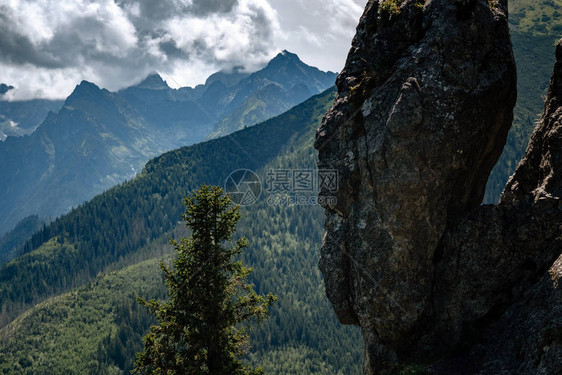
(204, 329)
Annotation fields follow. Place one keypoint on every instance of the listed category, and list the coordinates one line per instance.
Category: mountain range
(23, 117)
(100, 138)
(124, 231)
(67, 302)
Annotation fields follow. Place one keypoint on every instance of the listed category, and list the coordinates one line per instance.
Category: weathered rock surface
(425, 103)
(498, 281)
(424, 106)
(539, 175)
(495, 295)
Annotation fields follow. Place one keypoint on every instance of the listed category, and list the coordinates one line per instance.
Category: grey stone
(424, 106)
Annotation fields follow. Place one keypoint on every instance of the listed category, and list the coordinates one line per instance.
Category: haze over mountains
(100, 138)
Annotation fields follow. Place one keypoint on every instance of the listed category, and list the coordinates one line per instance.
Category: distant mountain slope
(95, 141)
(230, 101)
(23, 117)
(283, 83)
(536, 17)
(11, 242)
(123, 226)
(99, 139)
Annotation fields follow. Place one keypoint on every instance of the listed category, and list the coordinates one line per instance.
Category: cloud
(319, 31)
(203, 7)
(228, 40)
(16, 47)
(48, 46)
(54, 34)
(116, 43)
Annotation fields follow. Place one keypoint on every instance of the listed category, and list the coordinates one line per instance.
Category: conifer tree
(204, 329)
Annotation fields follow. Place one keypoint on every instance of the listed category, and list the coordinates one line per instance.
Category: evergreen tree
(204, 329)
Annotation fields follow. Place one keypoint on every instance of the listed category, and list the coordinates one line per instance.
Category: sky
(47, 47)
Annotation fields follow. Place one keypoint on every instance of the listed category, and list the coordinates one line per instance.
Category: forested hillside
(124, 226)
(10, 243)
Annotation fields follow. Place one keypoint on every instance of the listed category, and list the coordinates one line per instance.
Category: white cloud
(49, 46)
(319, 31)
(238, 38)
(32, 82)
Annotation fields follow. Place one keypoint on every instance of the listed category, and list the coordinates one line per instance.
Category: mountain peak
(5, 88)
(283, 61)
(85, 87)
(84, 90)
(287, 56)
(153, 82)
(228, 78)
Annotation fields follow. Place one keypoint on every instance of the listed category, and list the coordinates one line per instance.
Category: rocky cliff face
(424, 106)
(497, 286)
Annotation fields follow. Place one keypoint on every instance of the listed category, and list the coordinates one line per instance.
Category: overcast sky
(49, 46)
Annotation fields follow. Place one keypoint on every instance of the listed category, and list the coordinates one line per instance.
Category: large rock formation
(497, 297)
(424, 106)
